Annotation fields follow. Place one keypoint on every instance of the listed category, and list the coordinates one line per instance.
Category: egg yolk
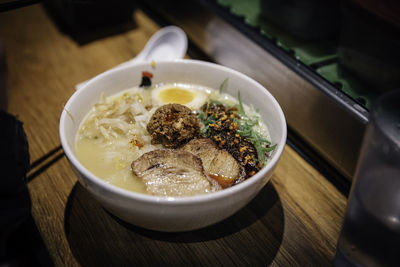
(176, 95)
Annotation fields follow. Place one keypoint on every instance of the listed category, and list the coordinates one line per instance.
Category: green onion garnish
(223, 85)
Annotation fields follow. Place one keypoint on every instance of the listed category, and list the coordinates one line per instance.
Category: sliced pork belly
(204, 148)
(172, 173)
(218, 164)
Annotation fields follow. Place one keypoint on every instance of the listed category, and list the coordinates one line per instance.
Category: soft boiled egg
(187, 95)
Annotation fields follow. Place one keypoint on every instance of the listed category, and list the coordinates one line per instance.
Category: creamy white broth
(114, 134)
(116, 172)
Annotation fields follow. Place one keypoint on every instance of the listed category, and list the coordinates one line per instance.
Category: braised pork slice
(218, 163)
(172, 173)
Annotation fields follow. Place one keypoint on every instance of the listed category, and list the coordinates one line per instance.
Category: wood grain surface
(294, 221)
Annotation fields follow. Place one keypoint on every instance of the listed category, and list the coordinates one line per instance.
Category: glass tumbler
(370, 233)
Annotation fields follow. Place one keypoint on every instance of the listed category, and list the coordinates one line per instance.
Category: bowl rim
(145, 198)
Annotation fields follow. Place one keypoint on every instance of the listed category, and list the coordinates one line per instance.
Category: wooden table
(294, 221)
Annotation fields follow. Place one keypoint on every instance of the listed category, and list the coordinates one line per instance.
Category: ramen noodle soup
(173, 140)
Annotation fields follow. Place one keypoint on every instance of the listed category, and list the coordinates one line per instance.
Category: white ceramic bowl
(172, 214)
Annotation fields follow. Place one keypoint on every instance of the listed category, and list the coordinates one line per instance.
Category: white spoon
(167, 44)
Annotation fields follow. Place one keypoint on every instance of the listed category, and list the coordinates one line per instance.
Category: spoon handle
(172, 37)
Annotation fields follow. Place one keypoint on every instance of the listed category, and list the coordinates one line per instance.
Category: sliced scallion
(223, 85)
